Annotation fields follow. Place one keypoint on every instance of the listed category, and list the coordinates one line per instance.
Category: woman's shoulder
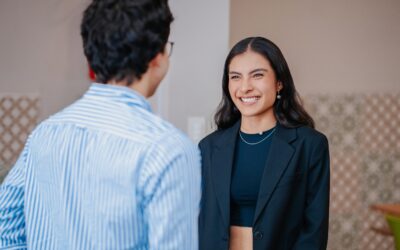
(311, 135)
(220, 135)
(211, 138)
(309, 131)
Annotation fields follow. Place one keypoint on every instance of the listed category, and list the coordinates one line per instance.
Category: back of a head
(120, 37)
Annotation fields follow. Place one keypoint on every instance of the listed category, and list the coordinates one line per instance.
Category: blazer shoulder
(314, 143)
(311, 135)
(209, 140)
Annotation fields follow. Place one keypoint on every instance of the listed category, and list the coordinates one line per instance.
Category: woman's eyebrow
(256, 70)
(251, 72)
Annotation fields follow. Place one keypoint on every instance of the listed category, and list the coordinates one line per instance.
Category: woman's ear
(279, 86)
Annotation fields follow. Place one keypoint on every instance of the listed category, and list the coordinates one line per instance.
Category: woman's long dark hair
(288, 110)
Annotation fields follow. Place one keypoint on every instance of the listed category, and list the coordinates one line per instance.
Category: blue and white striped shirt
(104, 173)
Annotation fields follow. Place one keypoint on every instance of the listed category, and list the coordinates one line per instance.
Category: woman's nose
(246, 86)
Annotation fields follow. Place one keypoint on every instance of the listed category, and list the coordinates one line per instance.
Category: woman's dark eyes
(256, 76)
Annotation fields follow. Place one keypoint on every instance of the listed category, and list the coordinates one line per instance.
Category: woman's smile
(250, 99)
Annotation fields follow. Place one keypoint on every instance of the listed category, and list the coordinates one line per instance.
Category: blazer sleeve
(202, 148)
(203, 174)
(314, 233)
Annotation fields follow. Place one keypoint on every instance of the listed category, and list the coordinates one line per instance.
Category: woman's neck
(253, 125)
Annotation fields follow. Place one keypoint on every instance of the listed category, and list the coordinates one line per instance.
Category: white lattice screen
(18, 116)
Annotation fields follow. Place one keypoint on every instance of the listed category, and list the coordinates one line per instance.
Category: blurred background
(344, 57)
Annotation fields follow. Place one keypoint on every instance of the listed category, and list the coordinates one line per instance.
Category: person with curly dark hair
(105, 172)
(266, 169)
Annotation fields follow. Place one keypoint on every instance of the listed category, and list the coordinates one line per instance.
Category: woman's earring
(278, 96)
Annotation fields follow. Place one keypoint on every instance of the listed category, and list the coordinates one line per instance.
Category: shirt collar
(120, 94)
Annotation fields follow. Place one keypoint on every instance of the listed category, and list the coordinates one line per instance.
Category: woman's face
(253, 85)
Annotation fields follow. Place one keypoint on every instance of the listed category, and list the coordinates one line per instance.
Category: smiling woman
(251, 61)
(252, 87)
(265, 170)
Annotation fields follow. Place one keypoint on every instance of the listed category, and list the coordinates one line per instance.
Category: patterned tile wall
(364, 140)
(18, 116)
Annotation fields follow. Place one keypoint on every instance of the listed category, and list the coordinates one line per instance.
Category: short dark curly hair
(120, 37)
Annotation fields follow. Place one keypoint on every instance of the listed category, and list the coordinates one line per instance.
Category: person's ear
(156, 61)
(279, 86)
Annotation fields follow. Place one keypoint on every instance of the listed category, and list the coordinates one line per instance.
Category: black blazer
(293, 203)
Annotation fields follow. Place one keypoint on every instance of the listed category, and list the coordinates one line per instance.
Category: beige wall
(193, 84)
(41, 51)
(331, 46)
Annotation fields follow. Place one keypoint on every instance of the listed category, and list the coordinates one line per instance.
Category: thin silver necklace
(255, 143)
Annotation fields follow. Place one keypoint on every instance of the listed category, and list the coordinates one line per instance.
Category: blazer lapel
(279, 157)
(221, 169)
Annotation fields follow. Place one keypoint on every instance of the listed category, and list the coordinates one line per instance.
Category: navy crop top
(250, 158)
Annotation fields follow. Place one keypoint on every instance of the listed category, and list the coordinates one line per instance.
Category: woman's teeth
(249, 99)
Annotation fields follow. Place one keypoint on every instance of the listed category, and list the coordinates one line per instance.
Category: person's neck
(141, 86)
(253, 125)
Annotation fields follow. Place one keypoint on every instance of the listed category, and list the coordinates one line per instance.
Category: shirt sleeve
(12, 219)
(171, 192)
